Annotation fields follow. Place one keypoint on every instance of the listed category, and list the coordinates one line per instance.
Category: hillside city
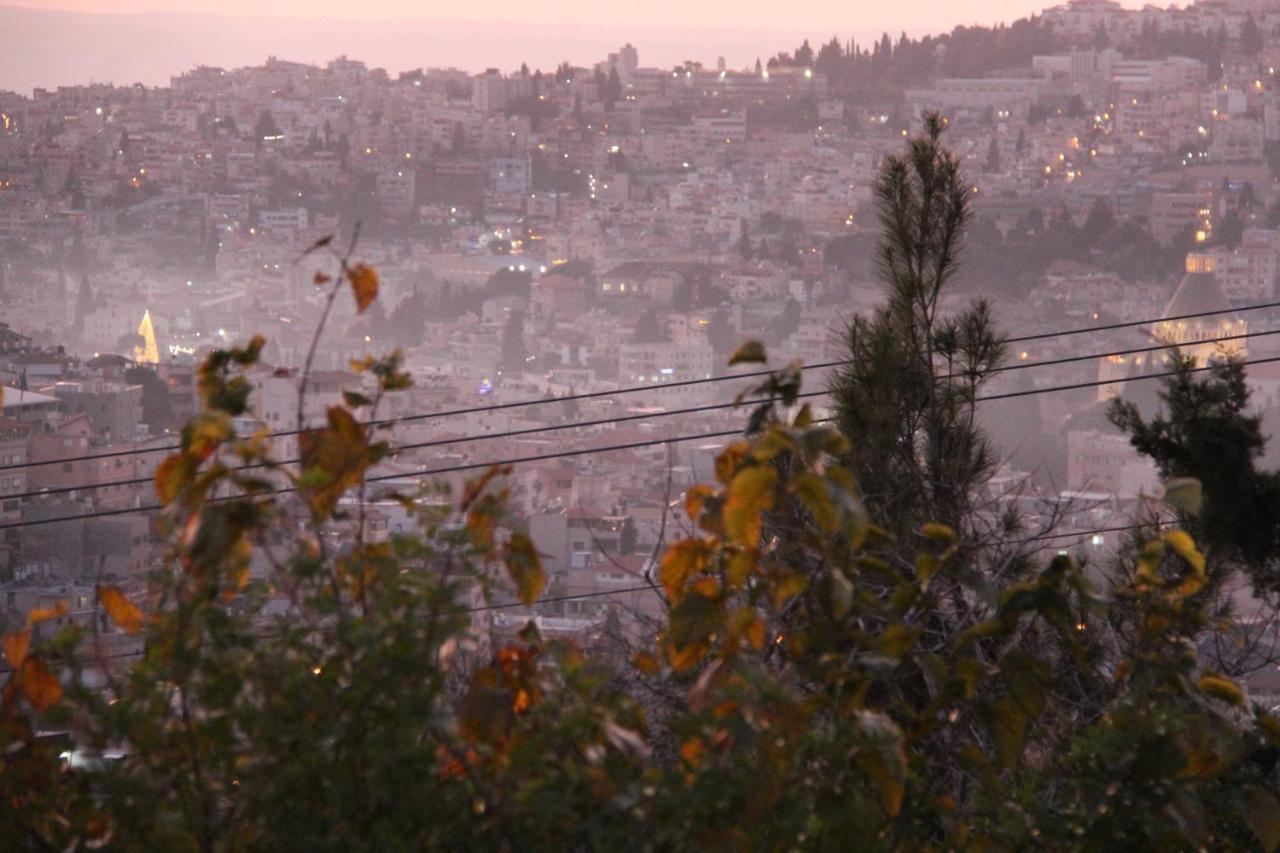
(548, 236)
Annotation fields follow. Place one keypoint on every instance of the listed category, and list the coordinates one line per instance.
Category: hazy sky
(822, 15)
(50, 43)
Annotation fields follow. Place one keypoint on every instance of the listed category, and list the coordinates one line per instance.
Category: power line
(651, 588)
(683, 411)
(563, 454)
(591, 395)
(1130, 324)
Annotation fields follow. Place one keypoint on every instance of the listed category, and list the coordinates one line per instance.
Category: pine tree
(745, 250)
(906, 398)
(992, 164)
(514, 353)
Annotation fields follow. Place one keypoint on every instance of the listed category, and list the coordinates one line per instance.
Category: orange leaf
(44, 614)
(121, 610)
(646, 663)
(693, 751)
(364, 284)
(39, 685)
(16, 646)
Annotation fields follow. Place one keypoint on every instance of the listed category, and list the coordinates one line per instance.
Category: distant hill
(52, 48)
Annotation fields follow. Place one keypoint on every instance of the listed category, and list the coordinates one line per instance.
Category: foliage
(1207, 433)
(908, 391)
(815, 690)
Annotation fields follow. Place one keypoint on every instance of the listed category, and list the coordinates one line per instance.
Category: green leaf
(752, 352)
(355, 399)
(813, 492)
(841, 594)
(1184, 494)
(884, 760)
(1027, 679)
(1008, 725)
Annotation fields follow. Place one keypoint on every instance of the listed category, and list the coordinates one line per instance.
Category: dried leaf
(44, 614)
(39, 685)
(16, 646)
(364, 285)
(121, 610)
(751, 352)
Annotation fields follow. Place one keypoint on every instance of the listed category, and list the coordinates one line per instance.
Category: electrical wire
(55, 490)
(635, 389)
(585, 451)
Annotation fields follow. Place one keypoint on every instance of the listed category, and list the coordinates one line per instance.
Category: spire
(148, 353)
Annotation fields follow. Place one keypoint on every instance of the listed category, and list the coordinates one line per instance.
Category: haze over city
(59, 43)
(662, 427)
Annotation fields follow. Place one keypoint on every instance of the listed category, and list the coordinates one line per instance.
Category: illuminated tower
(148, 353)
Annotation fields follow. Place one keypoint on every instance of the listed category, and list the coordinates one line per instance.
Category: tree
(157, 408)
(627, 539)
(265, 127)
(745, 251)
(648, 329)
(612, 88)
(804, 55)
(338, 702)
(1098, 223)
(789, 320)
(906, 398)
(1206, 432)
(1251, 40)
(513, 354)
(1230, 230)
(992, 164)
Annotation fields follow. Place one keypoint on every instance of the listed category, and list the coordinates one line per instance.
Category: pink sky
(824, 15)
(66, 42)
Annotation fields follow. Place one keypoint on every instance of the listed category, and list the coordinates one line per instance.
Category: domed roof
(1198, 293)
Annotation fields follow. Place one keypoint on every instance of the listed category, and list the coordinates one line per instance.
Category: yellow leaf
(750, 494)
(729, 459)
(682, 561)
(695, 499)
(754, 632)
(334, 458)
(171, 474)
(121, 610)
(1221, 688)
(933, 530)
(751, 352)
(740, 567)
(788, 588)
(926, 565)
(524, 567)
(16, 646)
(364, 284)
(1185, 546)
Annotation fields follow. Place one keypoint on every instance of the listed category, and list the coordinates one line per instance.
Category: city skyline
(55, 43)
